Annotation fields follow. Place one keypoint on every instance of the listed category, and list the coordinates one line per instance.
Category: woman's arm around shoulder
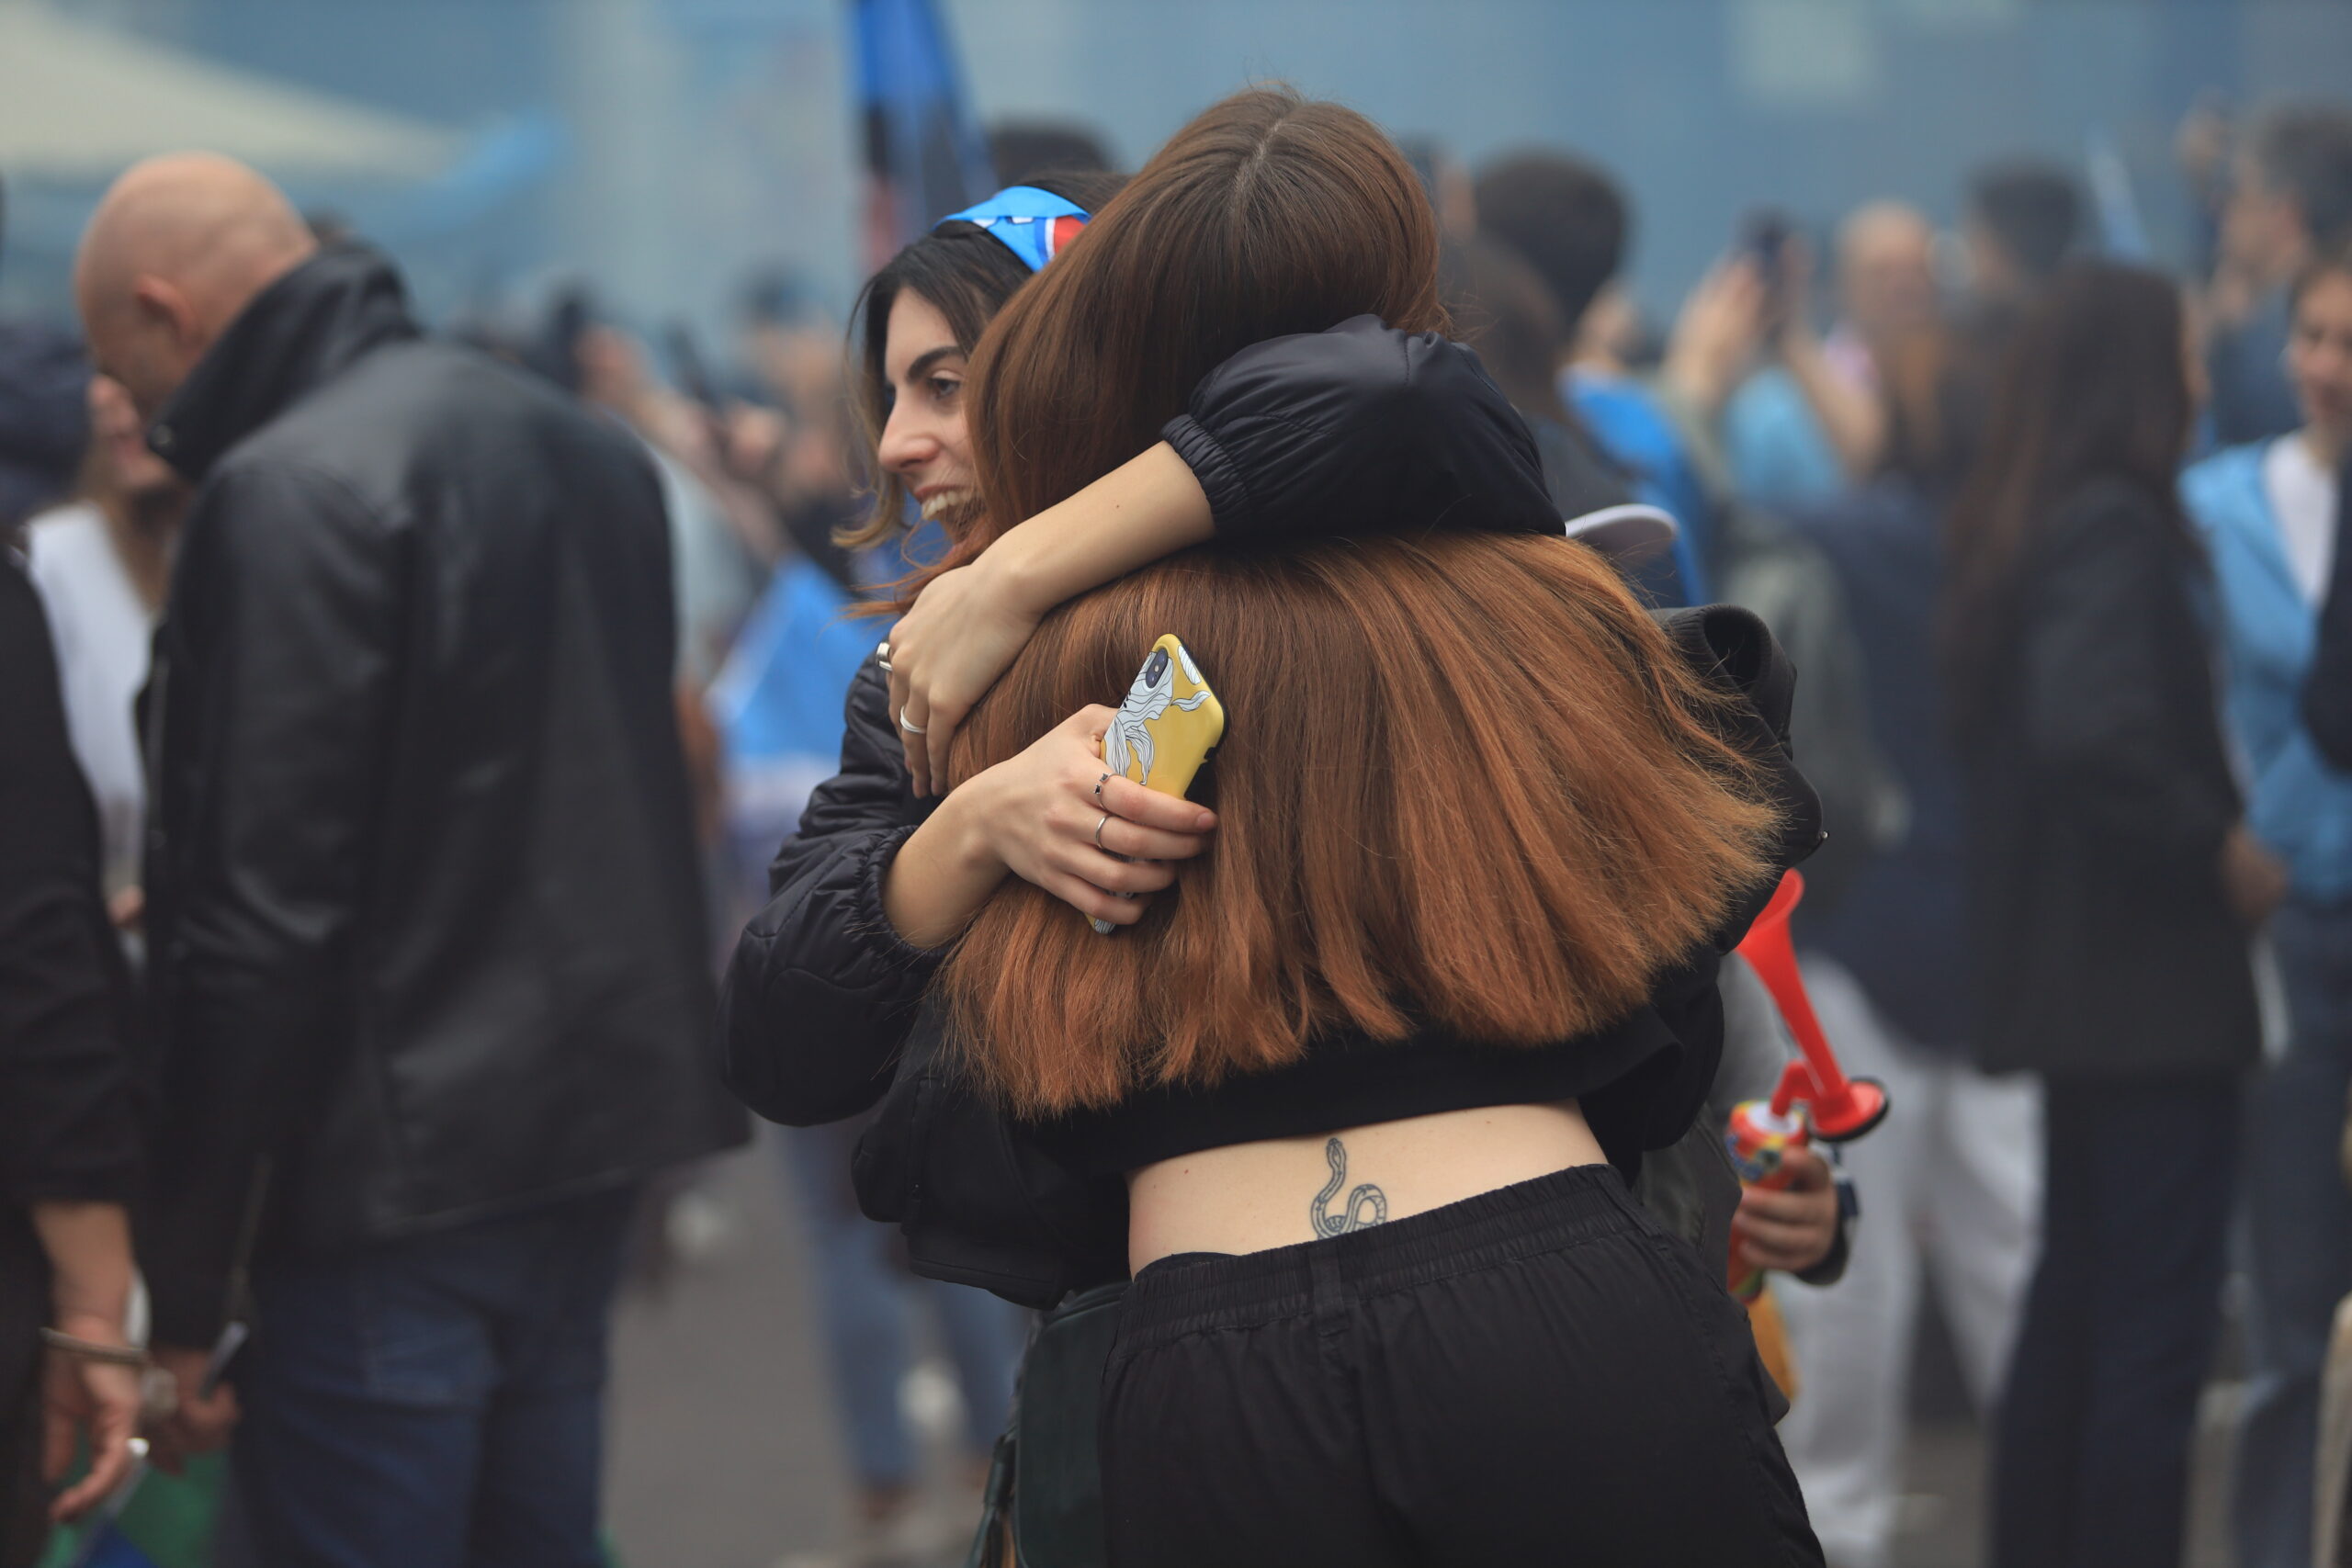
(1360, 428)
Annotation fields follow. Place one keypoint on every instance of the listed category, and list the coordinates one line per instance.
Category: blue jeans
(867, 1301)
(434, 1401)
(2299, 1231)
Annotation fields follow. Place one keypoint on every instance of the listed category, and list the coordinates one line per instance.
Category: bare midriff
(1251, 1197)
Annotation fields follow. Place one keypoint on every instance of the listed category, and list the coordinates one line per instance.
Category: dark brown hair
(967, 277)
(2095, 387)
(1937, 382)
(1267, 215)
(1568, 217)
(2332, 260)
(1501, 308)
(2033, 209)
(1467, 786)
(2305, 151)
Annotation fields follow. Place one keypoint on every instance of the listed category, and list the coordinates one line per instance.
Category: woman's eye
(944, 387)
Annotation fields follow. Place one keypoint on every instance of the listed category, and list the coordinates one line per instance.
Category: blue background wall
(680, 142)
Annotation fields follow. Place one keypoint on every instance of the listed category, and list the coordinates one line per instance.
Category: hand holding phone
(1166, 727)
(1764, 239)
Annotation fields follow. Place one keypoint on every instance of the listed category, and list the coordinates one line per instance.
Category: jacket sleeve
(1322, 433)
(822, 991)
(280, 713)
(2096, 720)
(1733, 648)
(69, 1124)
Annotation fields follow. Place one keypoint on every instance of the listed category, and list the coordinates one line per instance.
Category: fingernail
(1207, 821)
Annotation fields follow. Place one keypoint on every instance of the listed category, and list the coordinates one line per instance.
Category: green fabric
(171, 1517)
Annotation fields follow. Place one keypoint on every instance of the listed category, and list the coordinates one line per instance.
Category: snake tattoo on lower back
(1366, 1205)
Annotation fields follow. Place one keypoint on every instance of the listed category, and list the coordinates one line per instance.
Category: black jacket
(69, 1123)
(69, 1112)
(825, 1013)
(424, 912)
(2099, 792)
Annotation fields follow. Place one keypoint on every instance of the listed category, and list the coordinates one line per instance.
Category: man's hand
(1716, 336)
(1790, 1228)
(199, 1425)
(2252, 879)
(87, 1405)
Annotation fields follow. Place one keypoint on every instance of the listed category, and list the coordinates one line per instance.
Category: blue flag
(925, 155)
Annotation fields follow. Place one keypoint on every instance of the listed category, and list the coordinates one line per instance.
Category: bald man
(1886, 273)
(424, 915)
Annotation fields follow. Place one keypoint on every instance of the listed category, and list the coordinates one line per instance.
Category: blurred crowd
(1861, 432)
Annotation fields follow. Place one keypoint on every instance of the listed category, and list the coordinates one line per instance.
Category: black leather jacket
(1358, 429)
(425, 911)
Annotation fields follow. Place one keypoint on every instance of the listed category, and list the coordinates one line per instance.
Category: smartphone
(1166, 729)
(1763, 237)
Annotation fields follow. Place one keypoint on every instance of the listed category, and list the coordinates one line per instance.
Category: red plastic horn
(1839, 1108)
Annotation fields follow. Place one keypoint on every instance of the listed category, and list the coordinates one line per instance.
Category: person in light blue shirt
(1778, 455)
(1626, 421)
(2270, 514)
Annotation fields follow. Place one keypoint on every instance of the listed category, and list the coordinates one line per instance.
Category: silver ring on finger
(910, 725)
(1098, 832)
(1099, 783)
(882, 657)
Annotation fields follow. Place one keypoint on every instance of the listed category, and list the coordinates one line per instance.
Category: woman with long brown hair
(2113, 892)
(1359, 1069)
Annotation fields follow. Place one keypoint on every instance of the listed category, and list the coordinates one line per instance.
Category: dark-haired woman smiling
(2116, 888)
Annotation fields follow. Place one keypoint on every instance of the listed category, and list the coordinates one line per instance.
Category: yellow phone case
(1168, 725)
(1166, 729)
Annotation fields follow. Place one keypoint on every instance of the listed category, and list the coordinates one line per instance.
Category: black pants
(2092, 1447)
(1536, 1375)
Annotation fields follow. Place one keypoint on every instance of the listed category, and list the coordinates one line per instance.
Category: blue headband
(1032, 224)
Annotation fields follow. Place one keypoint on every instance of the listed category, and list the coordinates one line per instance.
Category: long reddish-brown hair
(1467, 786)
(1269, 214)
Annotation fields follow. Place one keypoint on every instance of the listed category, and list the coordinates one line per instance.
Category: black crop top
(1640, 1079)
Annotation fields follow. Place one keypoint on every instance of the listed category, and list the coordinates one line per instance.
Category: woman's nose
(904, 444)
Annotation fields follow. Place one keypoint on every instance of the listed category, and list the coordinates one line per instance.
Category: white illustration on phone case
(1129, 736)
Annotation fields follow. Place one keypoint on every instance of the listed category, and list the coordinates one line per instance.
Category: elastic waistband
(1194, 1290)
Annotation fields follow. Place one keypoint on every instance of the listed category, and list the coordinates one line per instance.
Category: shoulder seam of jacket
(296, 467)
